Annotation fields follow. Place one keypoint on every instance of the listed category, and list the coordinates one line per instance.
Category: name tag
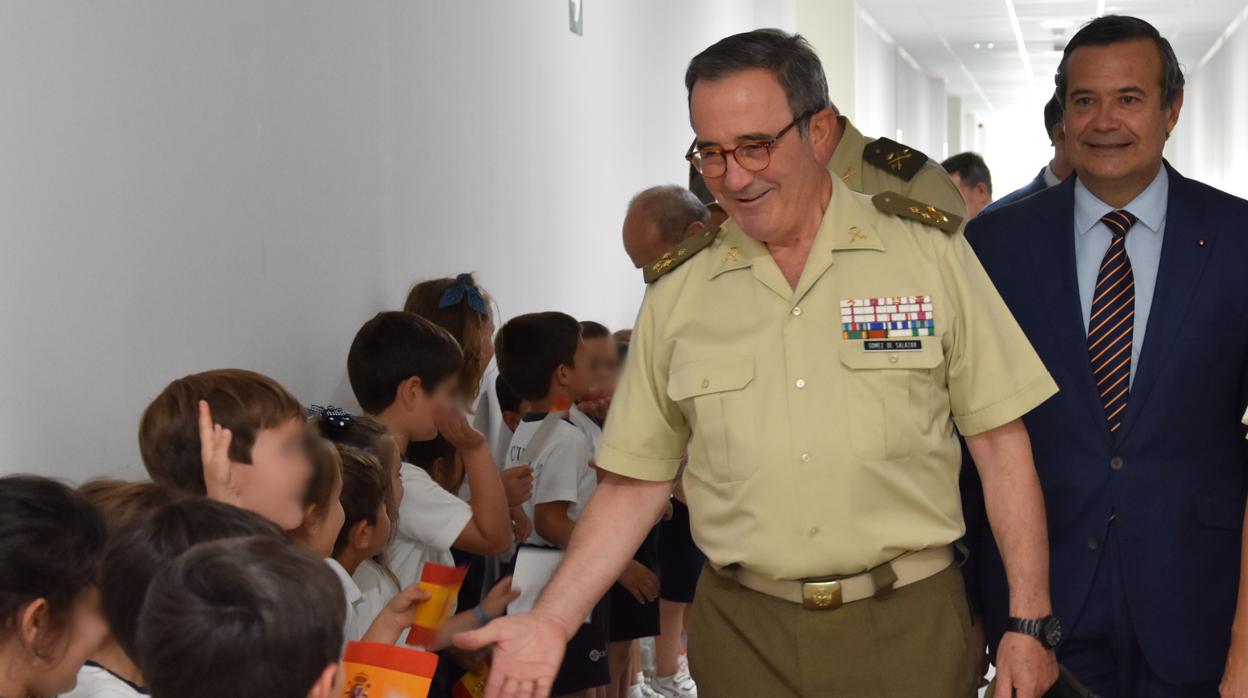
(893, 345)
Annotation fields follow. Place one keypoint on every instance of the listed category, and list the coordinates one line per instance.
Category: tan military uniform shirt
(817, 445)
(872, 166)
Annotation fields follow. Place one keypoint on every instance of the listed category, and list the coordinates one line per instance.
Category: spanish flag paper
(375, 670)
(443, 584)
(471, 685)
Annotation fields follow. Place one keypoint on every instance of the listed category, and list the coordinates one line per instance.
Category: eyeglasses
(753, 156)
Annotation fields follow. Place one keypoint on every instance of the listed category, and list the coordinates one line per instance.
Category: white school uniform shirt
(94, 681)
(352, 630)
(589, 427)
(430, 520)
(377, 588)
(561, 471)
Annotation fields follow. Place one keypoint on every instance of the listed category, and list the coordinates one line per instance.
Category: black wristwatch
(1047, 630)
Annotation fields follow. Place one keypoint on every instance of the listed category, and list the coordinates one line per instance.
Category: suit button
(1093, 544)
(1116, 463)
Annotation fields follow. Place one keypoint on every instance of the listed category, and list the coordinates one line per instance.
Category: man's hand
(639, 581)
(1235, 677)
(495, 603)
(455, 428)
(214, 450)
(528, 648)
(521, 525)
(1025, 669)
(518, 484)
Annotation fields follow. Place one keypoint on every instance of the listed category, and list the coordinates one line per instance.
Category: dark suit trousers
(1101, 649)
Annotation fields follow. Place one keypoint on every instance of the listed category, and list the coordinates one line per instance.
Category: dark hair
(970, 168)
(249, 617)
(145, 546)
(244, 402)
(120, 502)
(622, 348)
(788, 56)
(508, 400)
(326, 472)
(530, 348)
(364, 488)
(1113, 29)
(464, 323)
(393, 347)
(670, 209)
(593, 330)
(697, 185)
(1052, 116)
(50, 540)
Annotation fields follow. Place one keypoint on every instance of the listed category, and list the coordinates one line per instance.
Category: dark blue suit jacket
(1035, 186)
(1180, 487)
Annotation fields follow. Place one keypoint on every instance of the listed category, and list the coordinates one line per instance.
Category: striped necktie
(1112, 321)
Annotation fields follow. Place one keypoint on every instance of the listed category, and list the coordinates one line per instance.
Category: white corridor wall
(192, 185)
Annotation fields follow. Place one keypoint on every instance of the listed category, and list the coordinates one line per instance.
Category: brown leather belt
(830, 594)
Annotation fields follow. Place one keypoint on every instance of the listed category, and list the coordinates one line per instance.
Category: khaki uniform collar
(846, 163)
(849, 224)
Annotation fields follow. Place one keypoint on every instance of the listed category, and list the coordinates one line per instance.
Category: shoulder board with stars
(681, 254)
(894, 158)
(898, 205)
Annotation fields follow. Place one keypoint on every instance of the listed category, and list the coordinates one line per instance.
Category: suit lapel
(1178, 274)
(1053, 262)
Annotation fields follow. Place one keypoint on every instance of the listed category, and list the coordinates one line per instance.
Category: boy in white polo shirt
(403, 370)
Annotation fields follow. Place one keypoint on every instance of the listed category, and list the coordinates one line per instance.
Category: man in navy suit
(1129, 281)
(1058, 169)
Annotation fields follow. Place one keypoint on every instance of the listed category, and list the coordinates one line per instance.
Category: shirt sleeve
(429, 514)
(561, 468)
(646, 433)
(994, 374)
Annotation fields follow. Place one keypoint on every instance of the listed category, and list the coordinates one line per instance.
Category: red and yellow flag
(443, 584)
(375, 669)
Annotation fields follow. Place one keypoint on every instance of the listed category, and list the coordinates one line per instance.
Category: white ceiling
(942, 38)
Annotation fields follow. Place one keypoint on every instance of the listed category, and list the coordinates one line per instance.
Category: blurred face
(427, 404)
(83, 632)
(274, 484)
(1116, 125)
(604, 363)
(575, 379)
(381, 532)
(323, 527)
(774, 204)
(975, 196)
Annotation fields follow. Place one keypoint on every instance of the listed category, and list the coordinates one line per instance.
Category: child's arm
(522, 526)
(551, 521)
(493, 605)
(396, 616)
(489, 530)
(214, 450)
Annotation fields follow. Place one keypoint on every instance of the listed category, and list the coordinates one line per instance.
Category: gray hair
(671, 209)
(788, 56)
(1112, 29)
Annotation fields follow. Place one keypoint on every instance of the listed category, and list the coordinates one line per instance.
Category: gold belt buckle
(821, 596)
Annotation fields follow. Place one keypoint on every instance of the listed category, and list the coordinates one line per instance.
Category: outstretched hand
(528, 648)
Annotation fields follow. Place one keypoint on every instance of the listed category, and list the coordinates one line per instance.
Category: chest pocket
(891, 398)
(710, 393)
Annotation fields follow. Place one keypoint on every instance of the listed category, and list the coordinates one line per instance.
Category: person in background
(970, 175)
(659, 219)
(1058, 169)
(111, 672)
(1125, 277)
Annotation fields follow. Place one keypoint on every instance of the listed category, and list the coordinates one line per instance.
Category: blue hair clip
(332, 419)
(463, 289)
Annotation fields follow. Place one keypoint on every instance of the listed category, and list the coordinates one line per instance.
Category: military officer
(814, 355)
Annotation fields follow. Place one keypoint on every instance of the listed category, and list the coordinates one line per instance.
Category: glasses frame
(691, 155)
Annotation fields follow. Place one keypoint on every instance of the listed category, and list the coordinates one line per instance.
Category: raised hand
(214, 450)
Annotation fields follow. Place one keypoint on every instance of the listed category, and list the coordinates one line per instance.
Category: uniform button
(1093, 544)
(797, 312)
(706, 382)
(892, 358)
(1116, 463)
(805, 457)
(801, 383)
(814, 531)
